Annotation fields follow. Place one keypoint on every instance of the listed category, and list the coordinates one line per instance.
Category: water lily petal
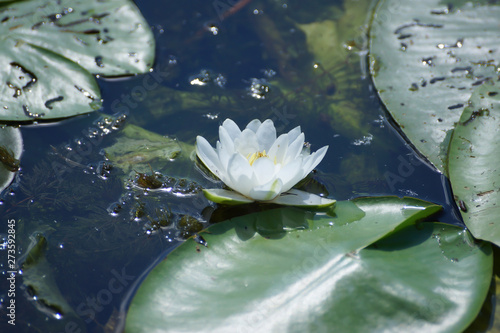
(267, 191)
(266, 135)
(207, 155)
(278, 150)
(294, 149)
(254, 125)
(293, 134)
(291, 174)
(246, 144)
(311, 161)
(232, 129)
(264, 170)
(224, 157)
(240, 174)
(225, 197)
(303, 199)
(259, 166)
(226, 140)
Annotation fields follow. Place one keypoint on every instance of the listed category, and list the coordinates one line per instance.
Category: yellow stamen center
(253, 157)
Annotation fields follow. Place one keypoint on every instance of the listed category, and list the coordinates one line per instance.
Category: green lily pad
(292, 197)
(427, 60)
(11, 148)
(49, 49)
(321, 277)
(30, 93)
(225, 197)
(474, 163)
(299, 198)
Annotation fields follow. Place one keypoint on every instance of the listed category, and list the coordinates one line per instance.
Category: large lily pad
(474, 163)
(49, 49)
(39, 84)
(427, 58)
(11, 148)
(319, 276)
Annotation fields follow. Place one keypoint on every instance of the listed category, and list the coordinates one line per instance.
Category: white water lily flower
(258, 166)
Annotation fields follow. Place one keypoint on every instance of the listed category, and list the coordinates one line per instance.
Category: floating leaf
(39, 84)
(474, 163)
(50, 48)
(292, 197)
(319, 277)
(11, 148)
(426, 60)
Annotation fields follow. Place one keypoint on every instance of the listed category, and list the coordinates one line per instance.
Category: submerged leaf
(140, 150)
(38, 278)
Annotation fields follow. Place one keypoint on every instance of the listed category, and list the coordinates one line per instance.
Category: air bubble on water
(366, 140)
(201, 79)
(213, 29)
(258, 88)
(211, 116)
(269, 73)
(3, 242)
(220, 80)
(172, 60)
(114, 209)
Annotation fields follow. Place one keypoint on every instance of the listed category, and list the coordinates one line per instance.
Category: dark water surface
(101, 238)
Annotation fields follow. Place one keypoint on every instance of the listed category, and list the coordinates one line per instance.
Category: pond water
(294, 62)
